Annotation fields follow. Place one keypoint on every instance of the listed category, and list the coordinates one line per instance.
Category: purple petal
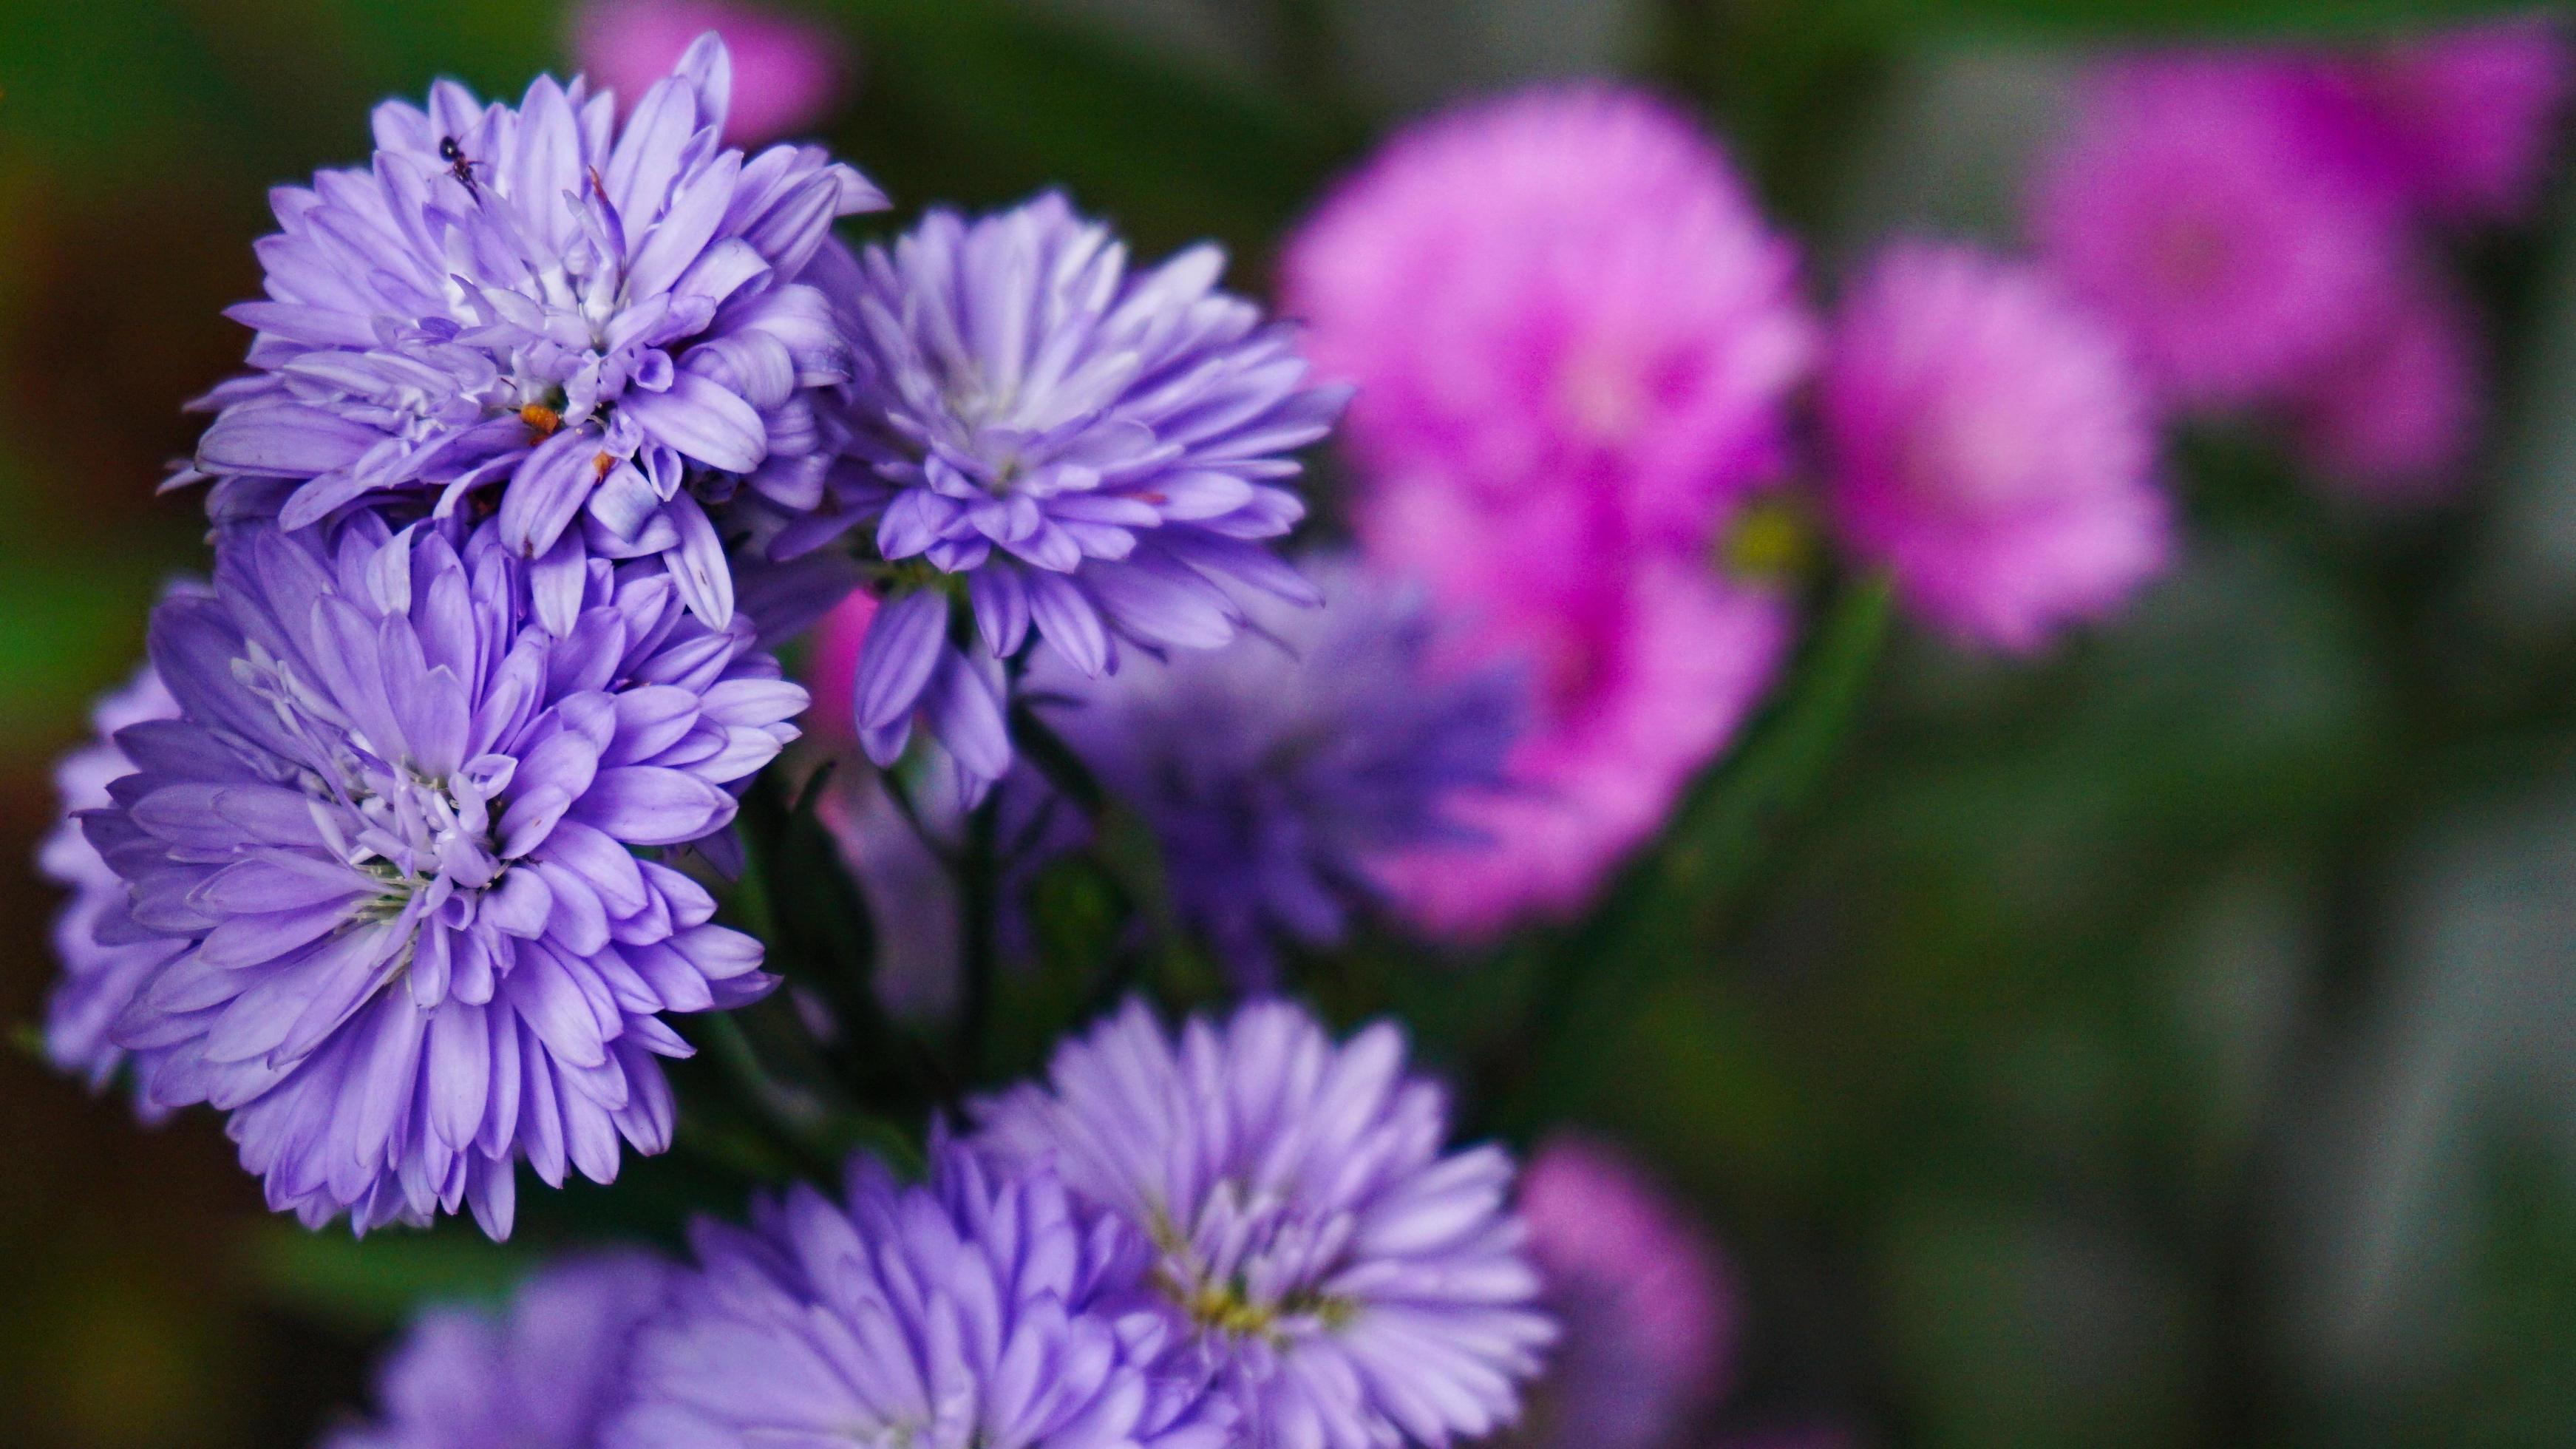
(964, 706)
(649, 805)
(895, 661)
(547, 489)
(287, 440)
(1065, 619)
(698, 565)
(703, 421)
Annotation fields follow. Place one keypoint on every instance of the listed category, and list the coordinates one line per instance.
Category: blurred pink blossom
(2395, 418)
(1647, 1305)
(788, 74)
(832, 670)
(1561, 289)
(2199, 207)
(1991, 446)
(2460, 124)
(1642, 672)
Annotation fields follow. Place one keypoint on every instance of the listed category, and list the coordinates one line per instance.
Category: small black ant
(459, 165)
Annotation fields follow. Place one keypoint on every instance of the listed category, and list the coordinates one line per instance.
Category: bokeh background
(2170, 1043)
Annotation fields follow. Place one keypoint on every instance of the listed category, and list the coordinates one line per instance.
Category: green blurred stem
(979, 899)
(1721, 837)
(1660, 917)
(1037, 741)
(818, 1134)
(1125, 847)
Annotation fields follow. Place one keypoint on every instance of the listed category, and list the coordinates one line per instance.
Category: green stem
(1654, 921)
(979, 901)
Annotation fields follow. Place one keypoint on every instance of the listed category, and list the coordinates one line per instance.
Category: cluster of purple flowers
(2265, 228)
(559, 417)
(1245, 1234)
(390, 855)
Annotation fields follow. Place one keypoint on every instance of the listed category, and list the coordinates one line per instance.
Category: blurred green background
(2173, 1043)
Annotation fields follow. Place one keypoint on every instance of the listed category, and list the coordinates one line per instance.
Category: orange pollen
(603, 463)
(541, 420)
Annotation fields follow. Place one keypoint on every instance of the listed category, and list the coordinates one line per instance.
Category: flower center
(1604, 395)
(1224, 1304)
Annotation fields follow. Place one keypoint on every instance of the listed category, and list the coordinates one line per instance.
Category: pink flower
(1643, 670)
(1990, 446)
(2460, 124)
(2196, 204)
(787, 75)
(1565, 288)
(832, 670)
(1646, 1304)
(2396, 417)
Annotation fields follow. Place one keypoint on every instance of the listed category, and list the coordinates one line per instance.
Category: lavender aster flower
(105, 955)
(584, 313)
(1278, 771)
(978, 1311)
(1077, 451)
(541, 1376)
(1348, 1284)
(395, 828)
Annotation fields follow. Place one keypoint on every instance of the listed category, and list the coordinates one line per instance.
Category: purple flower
(1278, 771)
(1347, 1284)
(542, 1375)
(1646, 1302)
(1568, 289)
(105, 955)
(1991, 447)
(788, 73)
(2196, 206)
(2395, 418)
(395, 826)
(605, 321)
(1055, 446)
(2459, 125)
(980, 1310)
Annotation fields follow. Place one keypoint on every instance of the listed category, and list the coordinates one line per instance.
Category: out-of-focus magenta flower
(2460, 125)
(1991, 446)
(787, 74)
(1643, 668)
(2196, 204)
(1646, 1303)
(2395, 419)
(1562, 287)
(832, 670)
